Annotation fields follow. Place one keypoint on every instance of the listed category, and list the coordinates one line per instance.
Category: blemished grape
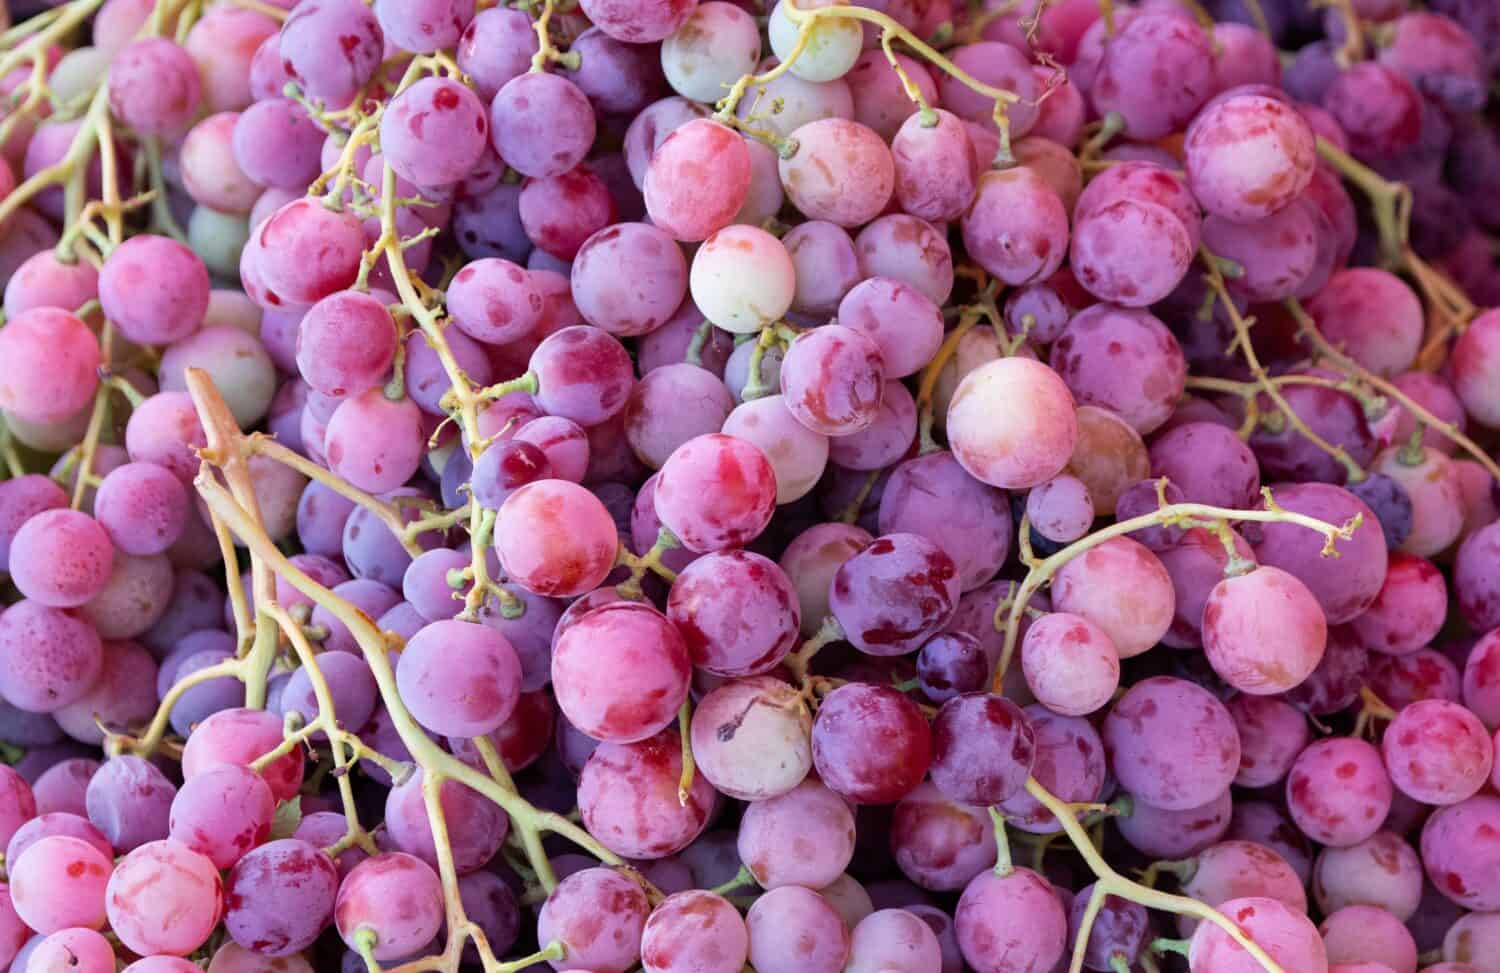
(279, 897)
(694, 931)
(74, 949)
(1248, 156)
(1288, 937)
(1070, 664)
(940, 844)
(52, 657)
(599, 916)
(804, 837)
(1163, 722)
(871, 743)
(752, 739)
(1338, 791)
(222, 813)
(640, 691)
(129, 800)
(627, 796)
(60, 883)
(1016, 251)
(395, 896)
(1437, 752)
(1000, 917)
(1245, 649)
(541, 124)
(239, 736)
(164, 897)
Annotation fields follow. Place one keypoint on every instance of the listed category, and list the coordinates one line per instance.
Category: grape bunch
(797, 486)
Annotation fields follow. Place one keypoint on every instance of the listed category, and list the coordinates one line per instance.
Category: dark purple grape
(1391, 503)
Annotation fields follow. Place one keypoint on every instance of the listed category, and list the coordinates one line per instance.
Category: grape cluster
(697, 486)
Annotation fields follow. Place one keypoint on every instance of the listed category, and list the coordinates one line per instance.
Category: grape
(1278, 255)
(426, 589)
(459, 679)
(935, 166)
(1272, 732)
(223, 43)
(279, 897)
(561, 212)
(1433, 486)
(812, 559)
(1338, 791)
(234, 958)
(640, 692)
(1095, 586)
(129, 800)
(541, 124)
(276, 144)
(886, 440)
(797, 454)
(50, 365)
(1409, 610)
(1237, 869)
(61, 779)
(1209, 463)
(1004, 921)
(902, 321)
(495, 47)
(951, 663)
(1011, 423)
(671, 405)
(1437, 752)
(1250, 651)
(972, 524)
(715, 492)
(1425, 674)
(1164, 722)
(940, 844)
(1014, 251)
(52, 657)
(1473, 578)
(58, 823)
(164, 430)
(59, 884)
(1248, 156)
(62, 558)
(870, 743)
(332, 48)
(239, 736)
(710, 50)
(142, 508)
(1118, 933)
(410, 830)
(222, 813)
(182, 908)
(804, 837)
(321, 830)
(1287, 936)
(395, 896)
(426, 26)
(345, 344)
(1373, 315)
(434, 132)
(305, 252)
(1061, 509)
(44, 281)
(1165, 46)
(599, 916)
(738, 612)
(1160, 833)
(893, 940)
(74, 949)
(1471, 939)
(794, 930)
(742, 277)
(751, 738)
(697, 180)
(154, 87)
(841, 172)
(1379, 109)
(694, 931)
(1339, 419)
(1002, 66)
(370, 597)
(1143, 389)
(154, 289)
(1070, 664)
(1363, 934)
(907, 249)
(1343, 594)
(351, 688)
(894, 594)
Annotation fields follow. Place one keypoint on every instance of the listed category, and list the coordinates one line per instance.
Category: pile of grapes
(687, 486)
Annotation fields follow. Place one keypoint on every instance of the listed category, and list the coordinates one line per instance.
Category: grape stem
(1213, 276)
(1110, 882)
(1325, 349)
(1008, 612)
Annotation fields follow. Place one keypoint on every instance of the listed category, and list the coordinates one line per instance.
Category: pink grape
(222, 813)
(332, 47)
(305, 252)
(49, 825)
(715, 492)
(154, 289)
(825, 264)
(832, 378)
(345, 344)
(1338, 791)
(972, 525)
(1379, 109)
(410, 830)
(905, 248)
(239, 736)
(1002, 917)
(52, 657)
(1209, 463)
(1070, 664)
(60, 883)
(276, 144)
(714, 46)
(1164, 721)
(395, 896)
(1159, 44)
(871, 744)
(45, 281)
(1363, 933)
(1248, 650)
(842, 172)
(459, 679)
(78, 949)
(1287, 936)
(555, 538)
(636, 697)
(424, 27)
(184, 905)
(1272, 733)
(434, 132)
(787, 918)
(1437, 752)
(561, 212)
(1373, 315)
(798, 455)
(752, 739)
(940, 844)
(1248, 156)
(142, 507)
(1011, 423)
(51, 361)
(599, 916)
(1122, 359)
(902, 321)
(1095, 586)
(894, 594)
(804, 837)
(935, 167)
(62, 558)
(129, 800)
(893, 940)
(1061, 509)
(694, 931)
(628, 798)
(541, 124)
(1016, 251)
(154, 87)
(719, 632)
(701, 161)
(998, 64)
(1409, 610)
(1344, 594)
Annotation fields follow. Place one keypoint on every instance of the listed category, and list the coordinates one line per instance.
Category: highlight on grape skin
(787, 486)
